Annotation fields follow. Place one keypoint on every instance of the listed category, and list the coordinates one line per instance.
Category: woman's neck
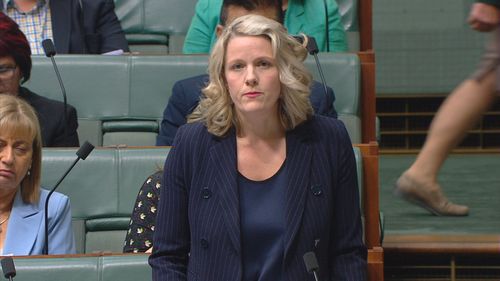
(6, 201)
(25, 5)
(260, 127)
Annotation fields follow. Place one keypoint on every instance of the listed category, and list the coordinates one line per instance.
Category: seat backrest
(122, 100)
(85, 268)
(155, 26)
(102, 190)
(57, 269)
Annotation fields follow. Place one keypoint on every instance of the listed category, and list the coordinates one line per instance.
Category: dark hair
(13, 43)
(251, 5)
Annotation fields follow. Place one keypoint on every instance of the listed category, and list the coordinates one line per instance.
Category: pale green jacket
(302, 16)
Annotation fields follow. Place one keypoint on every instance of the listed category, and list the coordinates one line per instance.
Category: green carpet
(472, 180)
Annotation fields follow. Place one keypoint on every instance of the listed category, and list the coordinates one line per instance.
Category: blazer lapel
(299, 157)
(223, 159)
(61, 12)
(23, 228)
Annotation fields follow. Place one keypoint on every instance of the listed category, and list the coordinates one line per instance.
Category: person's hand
(150, 250)
(483, 17)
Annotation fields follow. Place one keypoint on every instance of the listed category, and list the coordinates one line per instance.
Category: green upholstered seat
(104, 187)
(160, 26)
(131, 267)
(120, 99)
(57, 269)
(102, 190)
(155, 26)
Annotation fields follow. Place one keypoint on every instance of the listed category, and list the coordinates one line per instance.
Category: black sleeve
(139, 236)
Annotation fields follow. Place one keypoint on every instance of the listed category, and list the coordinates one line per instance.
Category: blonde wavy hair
(216, 109)
(17, 117)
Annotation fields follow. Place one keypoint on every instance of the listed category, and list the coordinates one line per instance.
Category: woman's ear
(218, 30)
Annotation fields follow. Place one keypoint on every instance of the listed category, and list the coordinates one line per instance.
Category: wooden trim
(368, 99)
(375, 264)
(369, 153)
(365, 11)
(442, 244)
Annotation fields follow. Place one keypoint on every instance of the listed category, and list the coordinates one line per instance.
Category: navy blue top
(262, 205)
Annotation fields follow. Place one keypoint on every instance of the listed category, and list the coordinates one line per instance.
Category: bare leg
(460, 111)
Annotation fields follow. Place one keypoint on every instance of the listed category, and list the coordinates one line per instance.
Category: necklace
(2, 222)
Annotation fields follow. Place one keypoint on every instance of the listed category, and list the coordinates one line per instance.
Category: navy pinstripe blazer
(197, 235)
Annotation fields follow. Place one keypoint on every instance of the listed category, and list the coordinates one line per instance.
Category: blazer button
(204, 243)
(206, 193)
(316, 190)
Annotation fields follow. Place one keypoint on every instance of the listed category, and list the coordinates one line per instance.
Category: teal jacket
(302, 16)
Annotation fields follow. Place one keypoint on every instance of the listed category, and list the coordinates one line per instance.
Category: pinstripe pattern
(35, 24)
(199, 209)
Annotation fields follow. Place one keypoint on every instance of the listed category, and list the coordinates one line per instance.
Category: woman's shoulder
(56, 198)
(192, 132)
(326, 124)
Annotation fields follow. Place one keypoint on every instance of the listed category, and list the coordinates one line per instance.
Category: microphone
(50, 51)
(312, 48)
(82, 153)
(8, 268)
(311, 264)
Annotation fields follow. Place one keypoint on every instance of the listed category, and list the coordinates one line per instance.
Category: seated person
(15, 68)
(22, 201)
(186, 93)
(75, 26)
(255, 180)
(139, 237)
(301, 16)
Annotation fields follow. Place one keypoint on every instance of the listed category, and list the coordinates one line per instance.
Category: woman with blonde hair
(255, 180)
(22, 201)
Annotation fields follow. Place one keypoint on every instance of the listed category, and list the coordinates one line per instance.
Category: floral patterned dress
(142, 222)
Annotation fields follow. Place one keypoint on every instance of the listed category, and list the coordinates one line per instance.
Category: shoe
(428, 197)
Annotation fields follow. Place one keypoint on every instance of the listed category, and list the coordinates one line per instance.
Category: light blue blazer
(25, 232)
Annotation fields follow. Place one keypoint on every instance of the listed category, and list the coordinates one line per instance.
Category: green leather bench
(155, 26)
(103, 189)
(83, 268)
(120, 99)
(160, 26)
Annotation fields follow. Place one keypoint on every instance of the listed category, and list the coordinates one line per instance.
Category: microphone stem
(315, 273)
(323, 81)
(65, 99)
(46, 247)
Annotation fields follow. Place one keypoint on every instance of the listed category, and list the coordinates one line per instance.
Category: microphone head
(49, 48)
(85, 150)
(311, 45)
(311, 262)
(8, 268)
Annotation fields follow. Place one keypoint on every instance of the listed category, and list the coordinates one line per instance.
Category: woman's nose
(7, 155)
(251, 78)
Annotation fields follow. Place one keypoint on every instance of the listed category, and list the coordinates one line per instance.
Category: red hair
(13, 43)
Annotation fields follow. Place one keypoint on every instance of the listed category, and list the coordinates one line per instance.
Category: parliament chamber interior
(404, 58)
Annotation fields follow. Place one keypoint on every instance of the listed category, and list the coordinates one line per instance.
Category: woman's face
(252, 74)
(16, 151)
(10, 76)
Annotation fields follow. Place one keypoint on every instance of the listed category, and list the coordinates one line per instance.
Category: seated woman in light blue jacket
(22, 201)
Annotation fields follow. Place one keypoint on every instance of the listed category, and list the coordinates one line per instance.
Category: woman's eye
(237, 66)
(21, 149)
(264, 64)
